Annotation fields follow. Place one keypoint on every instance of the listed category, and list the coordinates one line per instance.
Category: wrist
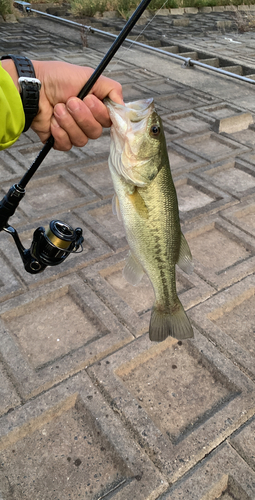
(27, 84)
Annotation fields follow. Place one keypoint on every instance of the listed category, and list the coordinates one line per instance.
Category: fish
(145, 200)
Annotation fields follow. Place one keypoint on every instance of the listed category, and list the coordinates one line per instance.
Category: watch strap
(29, 87)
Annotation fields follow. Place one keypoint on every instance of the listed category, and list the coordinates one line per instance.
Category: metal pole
(88, 86)
(187, 60)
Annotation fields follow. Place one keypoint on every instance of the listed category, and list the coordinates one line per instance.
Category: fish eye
(155, 130)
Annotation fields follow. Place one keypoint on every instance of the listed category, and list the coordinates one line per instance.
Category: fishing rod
(52, 246)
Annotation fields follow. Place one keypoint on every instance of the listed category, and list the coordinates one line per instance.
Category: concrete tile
(234, 176)
(132, 92)
(244, 442)
(197, 198)
(48, 194)
(162, 86)
(223, 475)
(96, 177)
(98, 149)
(100, 220)
(204, 97)
(26, 154)
(227, 319)
(9, 284)
(182, 160)
(191, 122)
(221, 110)
(180, 399)
(9, 168)
(176, 102)
(222, 253)
(54, 331)
(94, 456)
(8, 395)
(242, 216)
(246, 137)
(212, 147)
(93, 249)
(237, 127)
(132, 305)
(137, 74)
(249, 157)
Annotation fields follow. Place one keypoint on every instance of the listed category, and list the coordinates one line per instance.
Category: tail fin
(164, 324)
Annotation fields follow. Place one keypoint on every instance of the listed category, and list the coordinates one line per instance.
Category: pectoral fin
(185, 257)
(139, 204)
(133, 271)
(116, 206)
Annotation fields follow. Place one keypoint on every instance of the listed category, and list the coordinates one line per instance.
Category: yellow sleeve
(12, 117)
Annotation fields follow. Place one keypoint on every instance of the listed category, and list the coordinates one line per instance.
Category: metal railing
(187, 61)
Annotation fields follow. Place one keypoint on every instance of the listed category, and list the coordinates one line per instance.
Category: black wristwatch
(29, 87)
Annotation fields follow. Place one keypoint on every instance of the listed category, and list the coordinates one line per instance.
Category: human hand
(71, 121)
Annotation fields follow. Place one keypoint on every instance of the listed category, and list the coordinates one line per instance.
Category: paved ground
(89, 407)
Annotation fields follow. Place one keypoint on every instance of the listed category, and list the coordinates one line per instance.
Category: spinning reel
(49, 246)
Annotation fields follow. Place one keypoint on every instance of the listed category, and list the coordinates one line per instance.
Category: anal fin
(133, 271)
(185, 257)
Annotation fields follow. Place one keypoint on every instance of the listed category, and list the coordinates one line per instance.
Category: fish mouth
(122, 116)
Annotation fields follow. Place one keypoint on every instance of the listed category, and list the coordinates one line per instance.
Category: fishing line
(125, 49)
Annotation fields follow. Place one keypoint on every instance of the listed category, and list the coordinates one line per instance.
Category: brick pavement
(89, 407)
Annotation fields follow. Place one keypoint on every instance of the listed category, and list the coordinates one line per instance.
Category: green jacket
(12, 118)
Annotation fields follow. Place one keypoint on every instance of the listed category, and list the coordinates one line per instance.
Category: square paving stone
(9, 168)
(222, 475)
(46, 195)
(162, 86)
(191, 122)
(9, 283)
(133, 92)
(133, 304)
(222, 253)
(94, 149)
(244, 442)
(221, 110)
(94, 249)
(100, 220)
(233, 176)
(228, 320)
(212, 147)
(246, 137)
(52, 332)
(176, 102)
(96, 177)
(8, 395)
(242, 216)
(25, 156)
(182, 161)
(201, 96)
(196, 198)
(68, 444)
(181, 399)
(124, 77)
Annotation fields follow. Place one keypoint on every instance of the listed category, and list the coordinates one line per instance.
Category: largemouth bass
(145, 199)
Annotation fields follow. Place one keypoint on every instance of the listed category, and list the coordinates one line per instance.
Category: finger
(107, 87)
(61, 138)
(98, 110)
(78, 122)
(86, 119)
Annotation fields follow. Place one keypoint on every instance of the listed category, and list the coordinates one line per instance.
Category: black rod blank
(88, 86)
